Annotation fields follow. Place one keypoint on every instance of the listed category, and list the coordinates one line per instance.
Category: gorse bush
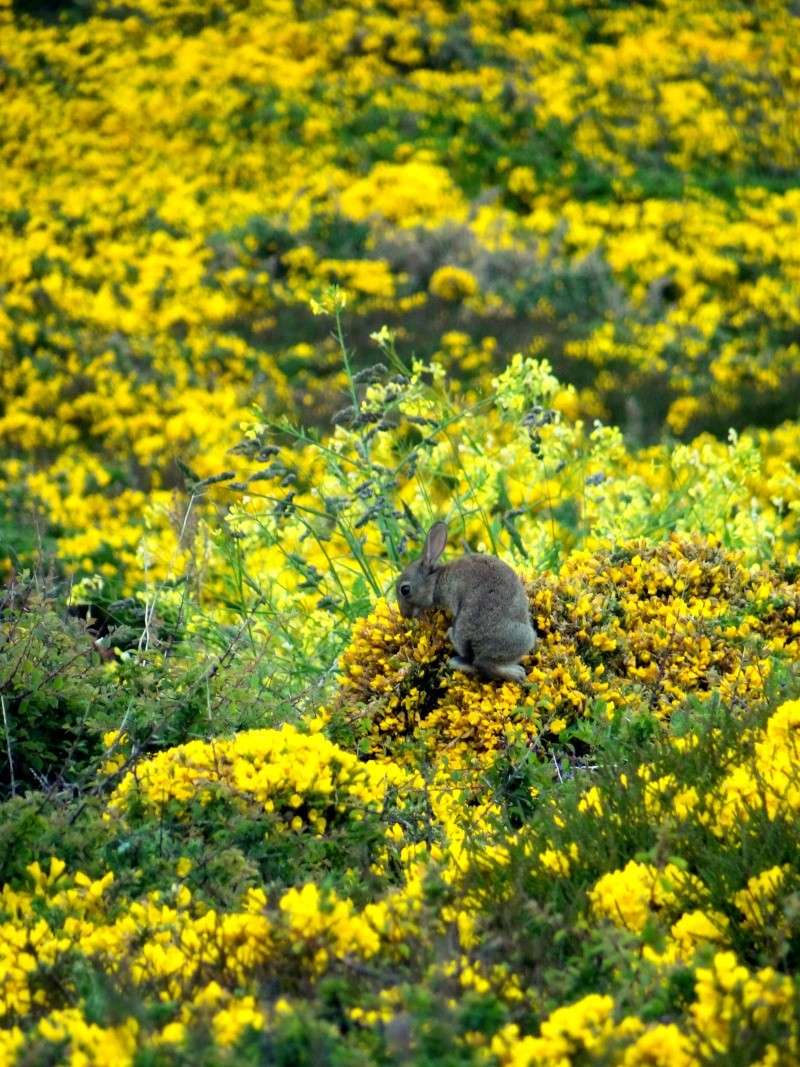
(282, 285)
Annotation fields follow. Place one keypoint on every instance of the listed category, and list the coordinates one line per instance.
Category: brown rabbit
(491, 628)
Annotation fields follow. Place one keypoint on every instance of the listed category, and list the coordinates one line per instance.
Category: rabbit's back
(489, 606)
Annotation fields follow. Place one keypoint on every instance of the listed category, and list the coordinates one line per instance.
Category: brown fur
(491, 628)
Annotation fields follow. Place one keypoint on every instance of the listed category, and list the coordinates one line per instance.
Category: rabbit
(491, 628)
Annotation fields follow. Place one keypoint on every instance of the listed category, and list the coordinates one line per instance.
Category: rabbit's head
(417, 584)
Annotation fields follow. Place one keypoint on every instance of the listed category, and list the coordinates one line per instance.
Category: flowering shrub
(268, 794)
(279, 770)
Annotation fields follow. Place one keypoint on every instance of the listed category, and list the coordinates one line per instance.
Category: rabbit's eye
(405, 589)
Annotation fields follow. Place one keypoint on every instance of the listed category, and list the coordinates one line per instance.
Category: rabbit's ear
(434, 543)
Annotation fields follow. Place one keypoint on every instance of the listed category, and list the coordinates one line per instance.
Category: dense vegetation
(282, 283)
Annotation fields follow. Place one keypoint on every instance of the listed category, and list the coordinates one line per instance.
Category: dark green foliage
(54, 692)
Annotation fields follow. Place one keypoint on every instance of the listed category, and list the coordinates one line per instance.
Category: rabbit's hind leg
(464, 660)
(462, 646)
(459, 664)
(501, 672)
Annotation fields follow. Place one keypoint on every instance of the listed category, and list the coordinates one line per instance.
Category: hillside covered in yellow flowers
(283, 282)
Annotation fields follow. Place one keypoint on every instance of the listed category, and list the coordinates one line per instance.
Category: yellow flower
(661, 1046)
(629, 897)
(453, 283)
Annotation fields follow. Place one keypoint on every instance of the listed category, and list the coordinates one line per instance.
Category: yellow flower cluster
(769, 781)
(84, 1042)
(727, 998)
(453, 283)
(177, 949)
(304, 779)
(583, 1028)
(760, 902)
(629, 897)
